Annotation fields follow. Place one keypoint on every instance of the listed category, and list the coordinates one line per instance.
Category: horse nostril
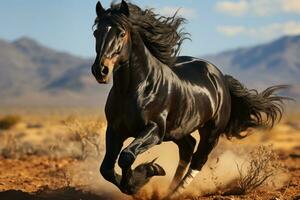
(104, 70)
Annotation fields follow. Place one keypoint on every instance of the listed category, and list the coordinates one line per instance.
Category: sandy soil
(42, 159)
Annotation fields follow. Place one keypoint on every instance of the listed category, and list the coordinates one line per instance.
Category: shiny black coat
(179, 99)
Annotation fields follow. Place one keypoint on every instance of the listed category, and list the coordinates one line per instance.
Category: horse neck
(141, 64)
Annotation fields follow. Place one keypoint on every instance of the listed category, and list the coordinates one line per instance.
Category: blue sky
(215, 25)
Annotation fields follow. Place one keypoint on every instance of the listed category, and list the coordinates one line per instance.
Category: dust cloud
(220, 172)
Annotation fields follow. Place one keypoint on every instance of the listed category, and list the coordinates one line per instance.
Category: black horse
(157, 96)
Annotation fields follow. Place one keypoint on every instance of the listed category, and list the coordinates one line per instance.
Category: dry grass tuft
(9, 121)
(263, 164)
(88, 136)
(12, 148)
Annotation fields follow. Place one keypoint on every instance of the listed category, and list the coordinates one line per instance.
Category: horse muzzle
(101, 74)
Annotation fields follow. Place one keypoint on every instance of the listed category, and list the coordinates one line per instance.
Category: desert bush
(9, 121)
(88, 136)
(12, 148)
(262, 164)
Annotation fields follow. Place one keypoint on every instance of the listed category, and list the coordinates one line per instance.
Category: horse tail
(251, 109)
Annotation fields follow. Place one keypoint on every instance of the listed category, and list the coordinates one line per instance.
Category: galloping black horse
(157, 96)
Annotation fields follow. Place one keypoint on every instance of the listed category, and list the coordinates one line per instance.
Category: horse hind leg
(208, 139)
(186, 148)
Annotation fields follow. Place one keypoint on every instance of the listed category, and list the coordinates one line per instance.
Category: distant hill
(277, 62)
(32, 74)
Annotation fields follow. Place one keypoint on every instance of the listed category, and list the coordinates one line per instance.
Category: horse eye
(122, 35)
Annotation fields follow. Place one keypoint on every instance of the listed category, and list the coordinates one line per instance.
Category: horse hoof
(129, 191)
(140, 176)
(150, 169)
(156, 170)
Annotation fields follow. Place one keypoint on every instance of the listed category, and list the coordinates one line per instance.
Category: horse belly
(182, 130)
(189, 116)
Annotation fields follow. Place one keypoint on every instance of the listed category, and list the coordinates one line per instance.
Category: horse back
(200, 95)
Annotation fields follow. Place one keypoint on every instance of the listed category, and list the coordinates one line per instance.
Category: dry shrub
(88, 136)
(13, 148)
(10, 146)
(263, 163)
(9, 121)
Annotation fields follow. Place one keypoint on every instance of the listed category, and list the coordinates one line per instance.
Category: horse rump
(251, 109)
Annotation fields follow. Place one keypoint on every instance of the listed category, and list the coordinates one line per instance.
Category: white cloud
(258, 7)
(233, 8)
(231, 30)
(269, 31)
(292, 6)
(265, 7)
(189, 13)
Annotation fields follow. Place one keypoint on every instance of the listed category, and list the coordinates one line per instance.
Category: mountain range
(32, 74)
(277, 62)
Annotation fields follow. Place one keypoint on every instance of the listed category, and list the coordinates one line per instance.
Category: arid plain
(56, 154)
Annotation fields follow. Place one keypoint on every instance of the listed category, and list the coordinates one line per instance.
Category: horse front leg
(113, 147)
(132, 181)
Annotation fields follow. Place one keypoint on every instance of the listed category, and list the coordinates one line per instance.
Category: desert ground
(56, 154)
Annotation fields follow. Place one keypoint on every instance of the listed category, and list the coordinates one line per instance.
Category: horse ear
(99, 9)
(124, 8)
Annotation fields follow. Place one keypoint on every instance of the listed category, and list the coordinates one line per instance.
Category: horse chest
(127, 117)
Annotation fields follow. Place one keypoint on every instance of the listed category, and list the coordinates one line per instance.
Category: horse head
(112, 41)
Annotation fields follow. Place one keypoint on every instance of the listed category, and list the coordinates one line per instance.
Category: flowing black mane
(162, 35)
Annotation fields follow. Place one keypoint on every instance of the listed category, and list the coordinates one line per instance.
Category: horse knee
(126, 158)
